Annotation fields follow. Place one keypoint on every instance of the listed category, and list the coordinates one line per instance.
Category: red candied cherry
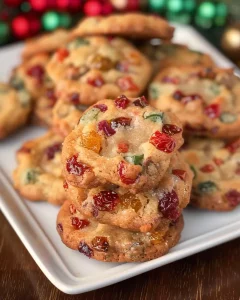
(106, 200)
(162, 142)
(122, 173)
(100, 243)
(121, 102)
(65, 185)
(127, 84)
(76, 168)
(208, 168)
(212, 111)
(179, 173)
(50, 94)
(101, 107)
(233, 197)
(168, 79)
(72, 209)
(51, 150)
(62, 53)
(218, 161)
(141, 101)
(168, 205)
(120, 121)
(79, 223)
(106, 128)
(59, 228)
(74, 98)
(123, 147)
(85, 249)
(97, 82)
(37, 72)
(178, 95)
(234, 146)
(171, 129)
(189, 98)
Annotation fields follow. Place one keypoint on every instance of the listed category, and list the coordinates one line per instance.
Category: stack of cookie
(126, 183)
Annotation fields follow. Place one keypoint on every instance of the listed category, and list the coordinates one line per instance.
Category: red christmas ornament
(21, 27)
(92, 8)
(107, 8)
(39, 5)
(75, 4)
(12, 2)
(62, 4)
(132, 5)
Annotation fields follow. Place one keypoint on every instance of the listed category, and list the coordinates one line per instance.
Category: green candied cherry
(17, 83)
(135, 159)
(154, 91)
(31, 176)
(207, 187)
(227, 117)
(194, 171)
(90, 115)
(78, 42)
(156, 117)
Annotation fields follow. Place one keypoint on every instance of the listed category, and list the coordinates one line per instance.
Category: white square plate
(34, 223)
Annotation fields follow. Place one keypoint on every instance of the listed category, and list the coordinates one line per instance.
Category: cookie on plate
(15, 106)
(205, 99)
(101, 68)
(113, 244)
(216, 166)
(45, 43)
(142, 212)
(132, 25)
(123, 141)
(38, 175)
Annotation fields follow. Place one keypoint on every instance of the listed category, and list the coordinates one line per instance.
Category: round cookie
(100, 68)
(38, 175)
(216, 165)
(15, 106)
(45, 43)
(204, 99)
(133, 25)
(123, 141)
(113, 244)
(142, 212)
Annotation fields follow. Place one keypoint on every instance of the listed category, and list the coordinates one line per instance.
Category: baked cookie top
(38, 175)
(101, 68)
(110, 243)
(132, 25)
(140, 212)
(216, 165)
(48, 42)
(15, 106)
(123, 141)
(204, 99)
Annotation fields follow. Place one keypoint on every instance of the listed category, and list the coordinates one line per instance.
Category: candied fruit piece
(141, 101)
(100, 243)
(123, 147)
(233, 197)
(51, 150)
(122, 66)
(212, 111)
(36, 72)
(156, 117)
(97, 82)
(169, 205)
(171, 129)
(233, 146)
(85, 249)
(106, 200)
(179, 173)
(127, 84)
(207, 187)
(168, 79)
(74, 98)
(102, 63)
(218, 161)
(227, 117)
(76, 168)
(106, 128)
(162, 142)
(180, 96)
(156, 237)
(65, 185)
(72, 209)
(129, 200)
(59, 228)
(122, 102)
(101, 107)
(92, 141)
(208, 168)
(79, 223)
(50, 94)
(62, 53)
(122, 171)
(135, 159)
(122, 121)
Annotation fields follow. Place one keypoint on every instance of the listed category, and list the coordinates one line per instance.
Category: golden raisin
(156, 237)
(91, 140)
(129, 200)
(102, 63)
(134, 58)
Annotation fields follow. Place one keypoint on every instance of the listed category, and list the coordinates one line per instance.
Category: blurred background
(218, 21)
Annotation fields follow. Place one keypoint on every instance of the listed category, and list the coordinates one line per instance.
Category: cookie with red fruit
(205, 99)
(112, 244)
(216, 167)
(124, 141)
(38, 175)
(100, 67)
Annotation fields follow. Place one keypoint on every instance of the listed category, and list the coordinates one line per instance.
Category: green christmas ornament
(221, 14)
(51, 20)
(4, 32)
(205, 15)
(175, 6)
(65, 20)
(157, 5)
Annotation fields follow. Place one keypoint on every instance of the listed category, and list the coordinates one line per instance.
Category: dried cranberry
(106, 128)
(212, 111)
(120, 121)
(50, 94)
(106, 200)
(101, 107)
(76, 168)
(206, 73)
(122, 102)
(74, 98)
(122, 174)
(168, 205)
(162, 142)
(51, 151)
(178, 95)
(100, 243)
(72, 209)
(79, 223)
(65, 185)
(127, 84)
(207, 168)
(141, 101)
(218, 161)
(123, 147)
(59, 228)
(233, 197)
(171, 129)
(97, 82)
(62, 54)
(37, 72)
(167, 79)
(85, 249)
(179, 173)
(234, 146)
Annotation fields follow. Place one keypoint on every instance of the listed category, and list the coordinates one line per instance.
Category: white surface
(69, 270)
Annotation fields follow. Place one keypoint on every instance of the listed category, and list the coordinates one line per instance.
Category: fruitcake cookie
(206, 100)
(113, 244)
(123, 141)
(38, 175)
(216, 165)
(140, 212)
(46, 43)
(15, 106)
(133, 25)
(101, 68)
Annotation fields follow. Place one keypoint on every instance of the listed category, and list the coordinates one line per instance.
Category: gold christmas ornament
(231, 41)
